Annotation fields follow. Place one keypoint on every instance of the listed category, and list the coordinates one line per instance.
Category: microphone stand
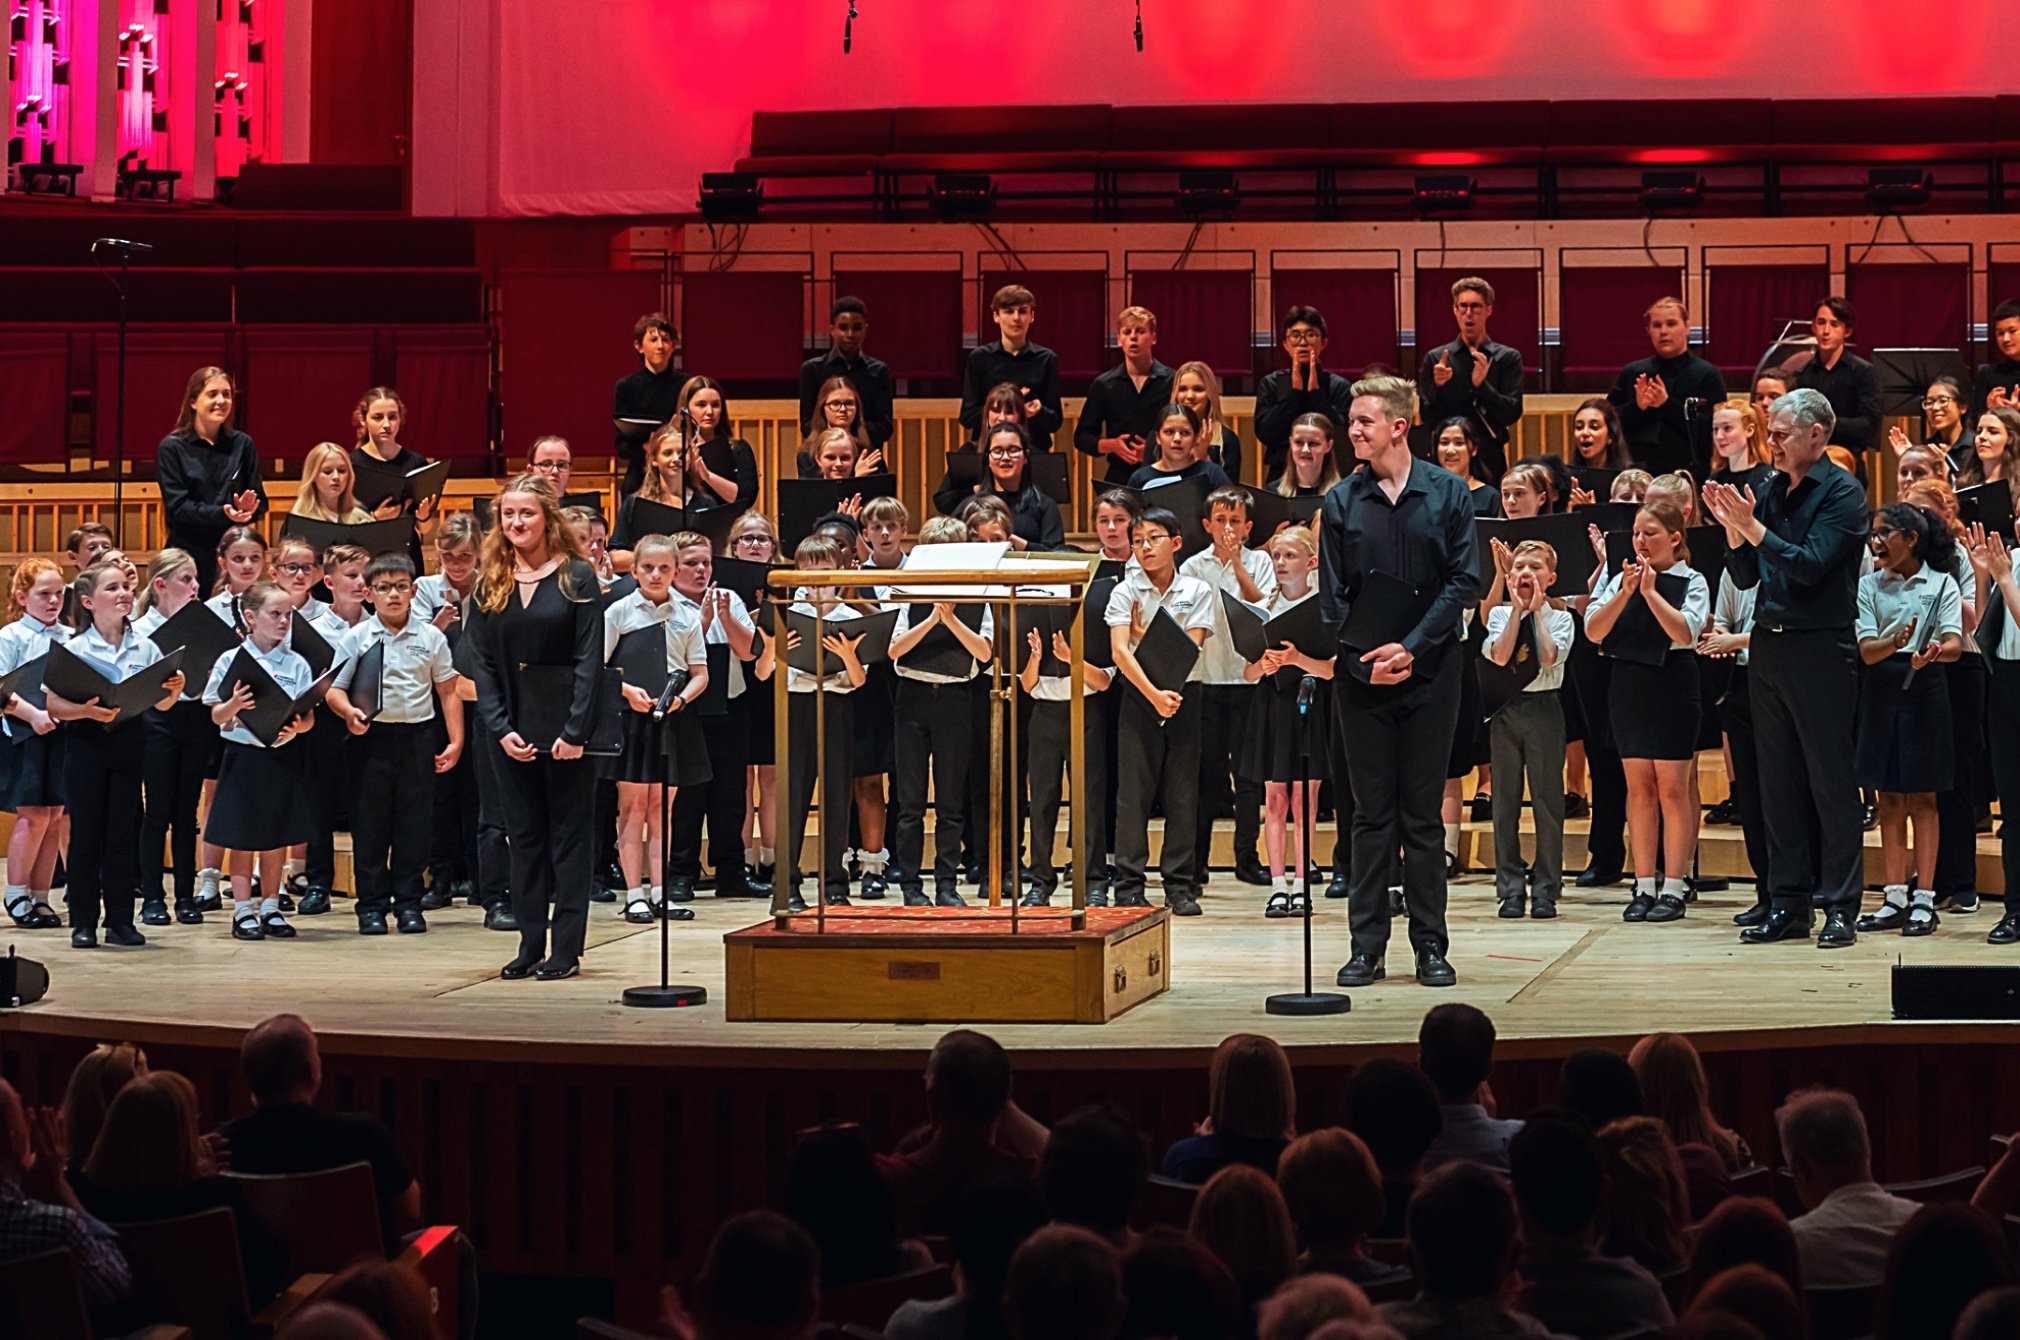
(1307, 1002)
(667, 995)
(119, 285)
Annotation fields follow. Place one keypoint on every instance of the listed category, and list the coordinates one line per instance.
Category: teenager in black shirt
(717, 464)
(1845, 379)
(1663, 398)
(209, 472)
(839, 405)
(848, 324)
(1473, 377)
(1035, 522)
(1178, 458)
(1195, 387)
(1119, 415)
(652, 392)
(1998, 382)
(1031, 368)
(1302, 388)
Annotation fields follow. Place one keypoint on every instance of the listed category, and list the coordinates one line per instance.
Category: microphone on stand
(1306, 688)
(675, 682)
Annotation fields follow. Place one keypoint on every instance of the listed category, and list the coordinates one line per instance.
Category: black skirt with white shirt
(262, 800)
(1905, 742)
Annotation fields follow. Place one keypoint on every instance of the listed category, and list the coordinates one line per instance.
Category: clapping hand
(1479, 367)
(1650, 392)
(1441, 371)
(242, 506)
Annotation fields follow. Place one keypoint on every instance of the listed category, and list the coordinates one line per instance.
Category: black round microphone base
(1308, 1003)
(665, 997)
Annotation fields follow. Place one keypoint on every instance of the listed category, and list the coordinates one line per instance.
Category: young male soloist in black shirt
(651, 393)
(1013, 358)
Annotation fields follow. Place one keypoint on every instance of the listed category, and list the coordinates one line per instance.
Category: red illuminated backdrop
(616, 107)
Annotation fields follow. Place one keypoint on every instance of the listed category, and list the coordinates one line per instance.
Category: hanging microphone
(1139, 25)
(849, 28)
(1306, 688)
(120, 244)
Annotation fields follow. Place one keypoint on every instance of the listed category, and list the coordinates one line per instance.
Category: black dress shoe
(1432, 970)
(2007, 932)
(1638, 907)
(1577, 806)
(1541, 908)
(315, 902)
(1511, 908)
(948, 896)
(126, 936)
(1131, 899)
(521, 967)
(1361, 970)
(916, 898)
(1922, 920)
(1595, 877)
(84, 938)
(611, 875)
(680, 889)
(286, 902)
(1249, 870)
(1753, 916)
(1036, 897)
(1097, 893)
(436, 898)
(1782, 924)
(1397, 907)
(1481, 810)
(1837, 932)
(741, 888)
(836, 898)
(410, 921)
(208, 902)
(1869, 817)
(371, 921)
(1668, 907)
(498, 917)
(795, 903)
(674, 912)
(1338, 887)
(599, 894)
(1181, 904)
(1888, 917)
(554, 969)
(875, 886)
(154, 912)
(187, 913)
(247, 927)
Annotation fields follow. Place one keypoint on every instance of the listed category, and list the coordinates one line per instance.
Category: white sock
(1675, 888)
(1280, 884)
(873, 862)
(1925, 898)
(1896, 895)
(750, 855)
(16, 893)
(656, 894)
(287, 873)
(1452, 839)
(270, 907)
(1644, 884)
(768, 856)
(207, 881)
(241, 908)
(38, 895)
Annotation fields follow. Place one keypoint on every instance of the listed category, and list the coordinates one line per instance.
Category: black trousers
(1957, 808)
(719, 801)
(452, 846)
(547, 811)
(1051, 750)
(484, 758)
(934, 729)
(329, 762)
(101, 780)
(179, 746)
(836, 770)
(1736, 712)
(393, 775)
(2003, 737)
(1223, 721)
(1397, 741)
(1805, 691)
(1157, 760)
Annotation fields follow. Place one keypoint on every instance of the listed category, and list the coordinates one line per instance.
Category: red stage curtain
(301, 385)
(2002, 280)
(743, 325)
(1911, 306)
(567, 334)
(35, 369)
(1207, 315)
(1073, 317)
(1599, 314)
(444, 375)
(915, 318)
(159, 361)
(1749, 304)
(1518, 311)
(1360, 311)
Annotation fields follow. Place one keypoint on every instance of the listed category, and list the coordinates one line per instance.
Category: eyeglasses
(548, 467)
(1005, 453)
(1469, 306)
(1937, 401)
(1302, 337)
(391, 588)
(742, 540)
(1878, 533)
(297, 569)
(1150, 541)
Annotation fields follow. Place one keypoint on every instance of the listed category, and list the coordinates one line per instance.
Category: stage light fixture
(1203, 191)
(23, 981)
(1894, 188)
(962, 196)
(731, 197)
(1671, 190)
(1444, 193)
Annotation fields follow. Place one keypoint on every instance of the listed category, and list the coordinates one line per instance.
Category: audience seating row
(1097, 137)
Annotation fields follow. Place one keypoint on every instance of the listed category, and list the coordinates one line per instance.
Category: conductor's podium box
(946, 965)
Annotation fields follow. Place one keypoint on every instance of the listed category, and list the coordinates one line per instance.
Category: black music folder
(73, 675)
(1563, 531)
(1637, 637)
(368, 682)
(377, 482)
(966, 469)
(201, 634)
(1270, 512)
(640, 656)
(1096, 647)
(1244, 627)
(1167, 652)
(24, 681)
(751, 582)
(809, 657)
(308, 643)
(658, 518)
(374, 537)
(1500, 683)
(1987, 505)
(1384, 611)
(804, 501)
(546, 695)
(715, 522)
(1184, 499)
(273, 706)
(939, 652)
(636, 431)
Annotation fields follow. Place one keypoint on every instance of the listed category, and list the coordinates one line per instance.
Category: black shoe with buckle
(1637, 907)
(247, 927)
(1279, 904)
(1433, 970)
(639, 912)
(1922, 920)
(1783, 923)
(874, 885)
(1887, 917)
(1668, 907)
(1361, 970)
(276, 927)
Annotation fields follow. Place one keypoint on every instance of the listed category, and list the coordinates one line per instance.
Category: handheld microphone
(120, 244)
(1306, 688)
(675, 682)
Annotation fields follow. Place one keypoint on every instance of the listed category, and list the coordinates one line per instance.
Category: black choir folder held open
(24, 681)
(201, 635)
(939, 652)
(805, 501)
(1096, 646)
(966, 469)
(73, 675)
(377, 482)
(273, 706)
(1384, 611)
(809, 657)
(374, 537)
(1301, 626)
(310, 645)
(546, 695)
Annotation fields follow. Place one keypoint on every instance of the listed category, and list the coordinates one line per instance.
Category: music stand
(1906, 374)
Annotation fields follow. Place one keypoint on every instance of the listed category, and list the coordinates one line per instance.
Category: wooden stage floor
(1549, 985)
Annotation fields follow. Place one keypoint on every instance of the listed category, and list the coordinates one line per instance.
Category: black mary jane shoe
(154, 912)
(639, 912)
(1279, 904)
(247, 927)
(276, 927)
(1638, 907)
(32, 914)
(1888, 917)
(554, 969)
(1668, 907)
(675, 912)
(521, 967)
(1300, 905)
(1922, 920)
(187, 913)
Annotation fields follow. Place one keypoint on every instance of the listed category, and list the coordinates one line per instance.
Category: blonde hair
(1679, 485)
(753, 520)
(1541, 548)
(984, 508)
(309, 504)
(943, 530)
(1534, 477)
(166, 564)
(458, 529)
(1293, 537)
(820, 441)
(1397, 394)
(1211, 420)
(1138, 316)
(879, 510)
(1629, 479)
(149, 1142)
(653, 489)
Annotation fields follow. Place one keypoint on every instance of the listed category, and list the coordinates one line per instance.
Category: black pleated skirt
(262, 799)
(1275, 734)
(670, 751)
(33, 767)
(1653, 709)
(1905, 742)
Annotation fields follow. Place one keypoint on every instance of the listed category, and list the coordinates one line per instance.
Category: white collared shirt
(132, 654)
(1887, 601)
(1560, 626)
(799, 681)
(25, 639)
(904, 624)
(1219, 662)
(1696, 606)
(416, 660)
(430, 594)
(287, 667)
(1733, 611)
(225, 605)
(684, 647)
(715, 635)
(1188, 600)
